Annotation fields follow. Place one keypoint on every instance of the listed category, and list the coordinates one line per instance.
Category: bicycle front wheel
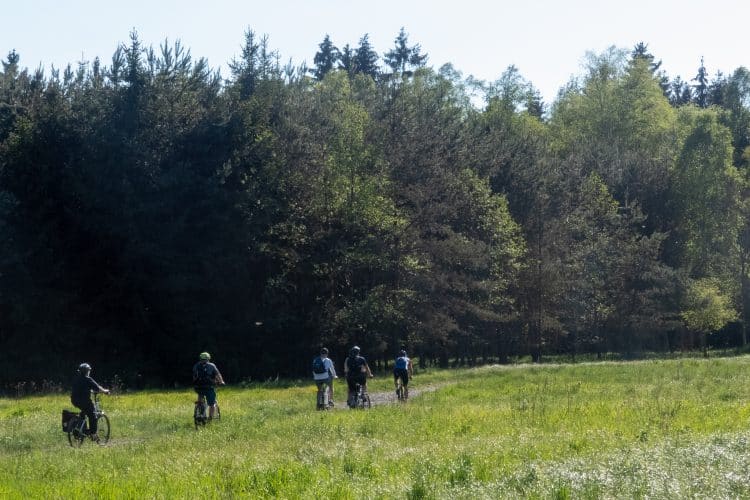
(364, 401)
(102, 423)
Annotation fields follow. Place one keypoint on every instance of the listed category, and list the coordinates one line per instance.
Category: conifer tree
(701, 93)
(402, 56)
(366, 59)
(325, 59)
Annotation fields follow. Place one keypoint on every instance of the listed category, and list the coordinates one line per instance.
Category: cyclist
(404, 370)
(324, 372)
(205, 377)
(80, 396)
(356, 370)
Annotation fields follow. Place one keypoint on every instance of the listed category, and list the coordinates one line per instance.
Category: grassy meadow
(649, 429)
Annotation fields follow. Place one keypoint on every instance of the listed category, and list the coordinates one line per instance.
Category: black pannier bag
(67, 419)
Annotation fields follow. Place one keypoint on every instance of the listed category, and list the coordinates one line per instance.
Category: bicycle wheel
(365, 402)
(102, 424)
(76, 435)
(199, 415)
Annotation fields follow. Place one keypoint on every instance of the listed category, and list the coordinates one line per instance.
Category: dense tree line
(150, 210)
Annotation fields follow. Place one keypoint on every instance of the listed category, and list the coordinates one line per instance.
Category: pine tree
(640, 51)
(325, 59)
(701, 94)
(679, 92)
(402, 56)
(347, 60)
(366, 59)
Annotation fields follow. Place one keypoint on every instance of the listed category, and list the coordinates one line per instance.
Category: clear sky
(546, 39)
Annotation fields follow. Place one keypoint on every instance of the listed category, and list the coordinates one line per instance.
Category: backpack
(355, 366)
(319, 366)
(203, 376)
(402, 363)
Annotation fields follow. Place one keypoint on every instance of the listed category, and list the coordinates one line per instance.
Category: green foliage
(150, 210)
(707, 309)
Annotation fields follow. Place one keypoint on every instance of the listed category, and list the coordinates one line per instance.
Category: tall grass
(659, 429)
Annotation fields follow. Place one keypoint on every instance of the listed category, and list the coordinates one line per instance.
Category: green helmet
(205, 356)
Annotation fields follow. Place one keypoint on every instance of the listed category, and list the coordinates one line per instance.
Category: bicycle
(77, 429)
(360, 399)
(200, 413)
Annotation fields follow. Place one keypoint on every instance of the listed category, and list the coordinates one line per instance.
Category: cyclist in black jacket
(80, 396)
(356, 370)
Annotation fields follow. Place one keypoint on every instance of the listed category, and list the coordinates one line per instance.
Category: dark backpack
(355, 366)
(203, 375)
(319, 366)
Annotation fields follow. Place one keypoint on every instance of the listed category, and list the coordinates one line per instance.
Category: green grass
(653, 429)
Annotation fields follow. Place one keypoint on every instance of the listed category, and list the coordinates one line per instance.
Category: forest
(151, 209)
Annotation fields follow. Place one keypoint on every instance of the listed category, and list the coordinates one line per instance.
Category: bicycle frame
(78, 431)
(201, 411)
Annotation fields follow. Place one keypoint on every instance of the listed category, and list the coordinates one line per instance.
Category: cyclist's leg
(320, 400)
(210, 393)
(330, 391)
(351, 384)
(87, 408)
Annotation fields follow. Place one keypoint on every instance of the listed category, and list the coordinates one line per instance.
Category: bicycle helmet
(355, 351)
(205, 356)
(402, 353)
(84, 368)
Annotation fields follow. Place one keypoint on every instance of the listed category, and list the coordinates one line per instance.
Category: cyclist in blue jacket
(325, 374)
(404, 370)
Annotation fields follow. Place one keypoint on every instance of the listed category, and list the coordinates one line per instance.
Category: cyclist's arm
(219, 379)
(95, 387)
(369, 373)
(332, 369)
(411, 369)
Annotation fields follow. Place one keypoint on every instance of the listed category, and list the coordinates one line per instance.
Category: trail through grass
(656, 429)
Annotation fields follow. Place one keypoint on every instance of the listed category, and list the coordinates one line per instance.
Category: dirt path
(384, 398)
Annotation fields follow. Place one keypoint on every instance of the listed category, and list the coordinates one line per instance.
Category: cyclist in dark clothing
(80, 396)
(356, 370)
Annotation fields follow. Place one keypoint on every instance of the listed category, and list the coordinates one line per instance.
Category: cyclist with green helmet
(205, 377)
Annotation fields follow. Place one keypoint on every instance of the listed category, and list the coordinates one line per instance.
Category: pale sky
(546, 39)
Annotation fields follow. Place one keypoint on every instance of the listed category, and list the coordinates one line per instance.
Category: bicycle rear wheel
(366, 401)
(199, 415)
(102, 424)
